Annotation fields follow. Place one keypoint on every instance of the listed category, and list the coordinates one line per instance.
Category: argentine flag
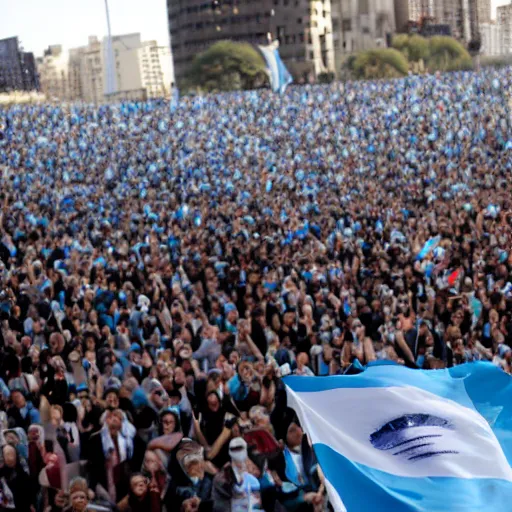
(401, 440)
(279, 76)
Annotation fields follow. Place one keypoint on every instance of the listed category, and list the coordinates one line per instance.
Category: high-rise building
(361, 25)
(141, 70)
(462, 16)
(156, 69)
(491, 39)
(505, 27)
(53, 70)
(17, 68)
(484, 11)
(303, 28)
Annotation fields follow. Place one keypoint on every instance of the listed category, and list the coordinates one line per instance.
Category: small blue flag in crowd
(402, 440)
(429, 246)
(280, 77)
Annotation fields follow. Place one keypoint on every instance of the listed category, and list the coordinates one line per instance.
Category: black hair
(70, 414)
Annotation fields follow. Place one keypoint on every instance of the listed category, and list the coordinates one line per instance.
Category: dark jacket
(21, 486)
(97, 468)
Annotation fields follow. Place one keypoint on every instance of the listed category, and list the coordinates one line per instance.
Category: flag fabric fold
(280, 77)
(428, 247)
(402, 440)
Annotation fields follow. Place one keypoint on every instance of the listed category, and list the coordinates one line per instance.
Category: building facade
(505, 27)
(491, 39)
(18, 70)
(156, 69)
(140, 70)
(484, 11)
(302, 27)
(53, 69)
(361, 25)
(128, 76)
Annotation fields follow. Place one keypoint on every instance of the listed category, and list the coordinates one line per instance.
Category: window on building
(299, 21)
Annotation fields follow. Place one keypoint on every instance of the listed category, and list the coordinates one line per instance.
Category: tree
(227, 66)
(380, 63)
(447, 54)
(415, 47)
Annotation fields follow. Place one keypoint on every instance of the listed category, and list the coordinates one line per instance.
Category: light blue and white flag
(401, 440)
(429, 246)
(280, 77)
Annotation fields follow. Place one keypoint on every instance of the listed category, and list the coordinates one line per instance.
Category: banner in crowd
(397, 439)
(280, 77)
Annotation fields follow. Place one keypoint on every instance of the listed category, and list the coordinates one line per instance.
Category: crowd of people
(162, 269)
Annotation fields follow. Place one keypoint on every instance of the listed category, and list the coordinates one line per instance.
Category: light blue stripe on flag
(279, 76)
(401, 440)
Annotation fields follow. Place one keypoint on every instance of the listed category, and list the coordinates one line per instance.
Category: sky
(40, 23)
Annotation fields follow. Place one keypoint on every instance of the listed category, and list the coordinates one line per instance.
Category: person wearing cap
(236, 486)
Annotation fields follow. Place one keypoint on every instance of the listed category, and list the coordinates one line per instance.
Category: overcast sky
(40, 23)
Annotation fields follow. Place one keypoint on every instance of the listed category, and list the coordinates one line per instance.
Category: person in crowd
(109, 453)
(18, 493)
(296, 471)
(162, 271)
(142, 497)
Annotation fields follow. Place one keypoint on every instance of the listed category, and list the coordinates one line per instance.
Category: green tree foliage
(447, 54)
(380, 63)
(415, 48)
(227, 66)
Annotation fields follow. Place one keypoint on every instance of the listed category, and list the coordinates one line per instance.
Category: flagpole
(110, 82)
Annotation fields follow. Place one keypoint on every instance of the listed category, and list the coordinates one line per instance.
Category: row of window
(201, 45)
(214, 5)
(233, 20)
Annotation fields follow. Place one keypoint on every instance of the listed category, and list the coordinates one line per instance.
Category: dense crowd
(162, 270)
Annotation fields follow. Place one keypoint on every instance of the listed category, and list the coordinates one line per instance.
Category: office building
(53, 69)
(484, 11)
(505, 27)
(361, 25)
(303, 28)
(140, 70)
(17, 68)
(491, 39)
(156, 69)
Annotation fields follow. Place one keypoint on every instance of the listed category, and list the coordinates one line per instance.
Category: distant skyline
(40, 23)
(71, 22)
